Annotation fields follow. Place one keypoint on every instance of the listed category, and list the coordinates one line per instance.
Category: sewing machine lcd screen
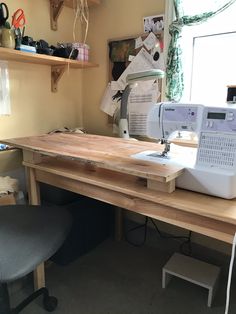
(216, 115)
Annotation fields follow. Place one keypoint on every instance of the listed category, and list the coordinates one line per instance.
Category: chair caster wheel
(50, 303)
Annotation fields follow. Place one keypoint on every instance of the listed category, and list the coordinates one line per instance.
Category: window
(209, 61)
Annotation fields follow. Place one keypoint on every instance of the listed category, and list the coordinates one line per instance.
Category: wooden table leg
(33, 187)
(118, 223)
(34, 199)
(39, 277)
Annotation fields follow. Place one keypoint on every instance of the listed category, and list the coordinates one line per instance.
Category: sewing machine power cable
(182, 247)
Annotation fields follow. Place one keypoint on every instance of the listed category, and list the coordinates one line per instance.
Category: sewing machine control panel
(219, 119)
(180, 117)
(217, 141)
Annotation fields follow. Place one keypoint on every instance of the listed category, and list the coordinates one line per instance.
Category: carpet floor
(118, 278)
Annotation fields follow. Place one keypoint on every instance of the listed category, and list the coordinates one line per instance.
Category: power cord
(182, 245)
(185, 247)
(230, 275)
(136, 228)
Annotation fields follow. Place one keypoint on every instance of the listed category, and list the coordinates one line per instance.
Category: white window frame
(188, 48)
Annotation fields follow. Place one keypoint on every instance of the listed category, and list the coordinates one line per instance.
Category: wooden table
(102, 168)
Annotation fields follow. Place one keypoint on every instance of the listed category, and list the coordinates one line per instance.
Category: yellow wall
(112, 19)
(35, 109)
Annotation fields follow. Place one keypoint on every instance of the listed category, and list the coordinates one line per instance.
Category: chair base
(4, 299)
(49, 302)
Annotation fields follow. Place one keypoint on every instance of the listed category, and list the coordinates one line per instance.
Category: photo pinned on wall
(153, 24)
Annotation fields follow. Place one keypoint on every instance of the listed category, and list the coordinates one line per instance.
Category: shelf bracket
(56, 7)
(56, 73)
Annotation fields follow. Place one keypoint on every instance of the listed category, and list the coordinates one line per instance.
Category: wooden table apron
(212, 227)
(101, 168)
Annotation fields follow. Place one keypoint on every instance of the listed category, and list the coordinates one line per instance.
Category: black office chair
(29, 235)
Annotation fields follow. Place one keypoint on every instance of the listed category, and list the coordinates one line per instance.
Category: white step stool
(192, 270)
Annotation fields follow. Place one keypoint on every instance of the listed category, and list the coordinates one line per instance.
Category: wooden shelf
(58, 65)
(28, 57)
(56, 7)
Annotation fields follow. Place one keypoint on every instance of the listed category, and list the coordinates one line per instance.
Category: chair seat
(29, 235)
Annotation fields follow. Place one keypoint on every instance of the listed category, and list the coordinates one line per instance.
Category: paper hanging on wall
(5, 104)
(109, 103)
(138, 42)
(142, 61)
(140, 101)
(150, 41)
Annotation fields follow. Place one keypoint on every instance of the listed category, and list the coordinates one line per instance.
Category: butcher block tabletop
(106, 163)
(102, 151)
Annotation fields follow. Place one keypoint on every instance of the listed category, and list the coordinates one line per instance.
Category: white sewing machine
(211, 167)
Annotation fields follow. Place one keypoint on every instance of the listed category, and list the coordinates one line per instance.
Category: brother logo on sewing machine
(211, 167)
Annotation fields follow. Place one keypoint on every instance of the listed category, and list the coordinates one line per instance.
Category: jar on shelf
(83, 51)
(8, 38)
